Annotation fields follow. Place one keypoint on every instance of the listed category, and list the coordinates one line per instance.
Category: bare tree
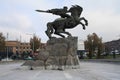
(35, 43)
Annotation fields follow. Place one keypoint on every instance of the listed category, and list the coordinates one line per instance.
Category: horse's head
(76, 10)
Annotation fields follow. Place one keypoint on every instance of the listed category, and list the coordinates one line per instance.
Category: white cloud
(15, 25)
(19, 21)
(23, 21)
(104, 23)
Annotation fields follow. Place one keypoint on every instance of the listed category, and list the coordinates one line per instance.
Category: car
(28, 58)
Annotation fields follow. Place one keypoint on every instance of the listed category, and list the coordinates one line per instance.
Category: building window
(16, 47)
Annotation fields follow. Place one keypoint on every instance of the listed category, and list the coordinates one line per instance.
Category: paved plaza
(87, 71)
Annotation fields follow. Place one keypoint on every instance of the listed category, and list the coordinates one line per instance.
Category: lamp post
(92, 49)
(7, 49)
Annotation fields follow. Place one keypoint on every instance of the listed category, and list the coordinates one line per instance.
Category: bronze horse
(70, 21)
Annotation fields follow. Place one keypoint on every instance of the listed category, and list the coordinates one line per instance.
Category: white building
(81, 49)
(81, 45)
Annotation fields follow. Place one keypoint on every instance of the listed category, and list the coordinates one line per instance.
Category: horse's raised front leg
(82, 25)
(86, 21)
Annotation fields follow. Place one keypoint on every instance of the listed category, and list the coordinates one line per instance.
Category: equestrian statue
(68, 19)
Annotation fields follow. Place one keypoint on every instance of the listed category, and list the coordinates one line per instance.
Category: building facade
(17, 47)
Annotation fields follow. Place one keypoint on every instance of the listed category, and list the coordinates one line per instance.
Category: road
(87, 71)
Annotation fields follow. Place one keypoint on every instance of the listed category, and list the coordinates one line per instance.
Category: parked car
(28, 58)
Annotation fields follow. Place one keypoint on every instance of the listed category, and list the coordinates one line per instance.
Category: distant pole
(19, 43)
(7, 48)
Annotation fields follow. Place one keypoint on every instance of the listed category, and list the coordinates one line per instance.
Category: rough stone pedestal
(60, 53)
(63, 52)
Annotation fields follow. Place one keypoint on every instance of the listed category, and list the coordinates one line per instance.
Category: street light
(7, 48)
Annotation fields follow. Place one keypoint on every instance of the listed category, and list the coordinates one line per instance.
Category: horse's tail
(49, 30)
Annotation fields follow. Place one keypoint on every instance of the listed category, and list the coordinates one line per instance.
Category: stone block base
(61, 53)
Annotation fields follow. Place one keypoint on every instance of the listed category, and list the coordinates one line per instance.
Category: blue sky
(18, 18)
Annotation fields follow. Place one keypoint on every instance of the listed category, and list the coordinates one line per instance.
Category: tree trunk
(90, 55)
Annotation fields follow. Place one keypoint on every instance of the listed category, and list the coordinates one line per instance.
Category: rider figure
(61, 12)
